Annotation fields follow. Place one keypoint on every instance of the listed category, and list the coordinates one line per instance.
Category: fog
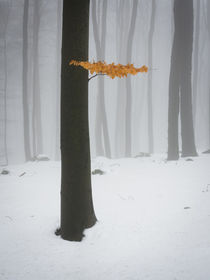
(139, 32)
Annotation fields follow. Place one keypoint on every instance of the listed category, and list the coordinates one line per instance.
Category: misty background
(121, 31)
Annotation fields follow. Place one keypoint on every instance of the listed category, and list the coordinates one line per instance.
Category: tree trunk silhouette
(4, 18)
(27, 147)
(77, 212)
(120, 107)
(128, 113)
(208, 29)
(59, 38)
(149, 85)
(180, 90)
(101, 127)
(196, 63)
(36, 114)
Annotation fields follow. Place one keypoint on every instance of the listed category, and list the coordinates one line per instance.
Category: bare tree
(36, 115)
(58, 55)
(128, 113)
(180, 89)
(196, 59)
(27, 147)
(77, 212)
(121, 32)
(101, 128)
(4, 18)
(149, 85)
(208, 29)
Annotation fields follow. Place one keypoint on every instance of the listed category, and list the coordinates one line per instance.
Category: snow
(153, 222)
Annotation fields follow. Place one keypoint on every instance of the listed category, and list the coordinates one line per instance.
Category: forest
(105, 139)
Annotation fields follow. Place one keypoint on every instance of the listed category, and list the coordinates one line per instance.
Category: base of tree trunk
(76, 235)
(188, 154)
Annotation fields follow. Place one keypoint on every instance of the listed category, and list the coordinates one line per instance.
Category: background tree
(128, 109)
(26, 126)
(208, 29)
(180, 89)
(121, 35)
(36, 111)
(196, 59)
(4, 18)
(149, 85)
(77, 211)
(101, 126)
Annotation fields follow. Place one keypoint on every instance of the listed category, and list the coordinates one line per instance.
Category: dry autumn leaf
(110, 70)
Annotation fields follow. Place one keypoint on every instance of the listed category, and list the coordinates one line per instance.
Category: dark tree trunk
(27, 147)
(77, 212)
(180, 89)
(128, 130)
(149, 93)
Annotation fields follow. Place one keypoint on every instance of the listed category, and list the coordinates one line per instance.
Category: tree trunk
(208, 29)
(4, 19)
(180, 90)
(120, 104)
(101, 128)
(149, 93)
(58, 51)
(77, 212)
(27, 147)
(128, 113)
(36, 115)
(196, 64)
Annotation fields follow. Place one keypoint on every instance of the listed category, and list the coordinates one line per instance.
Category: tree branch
(98, 74)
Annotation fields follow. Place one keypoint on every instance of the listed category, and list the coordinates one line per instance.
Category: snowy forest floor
(153, 222)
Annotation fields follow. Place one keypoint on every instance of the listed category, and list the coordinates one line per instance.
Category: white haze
(49, 43)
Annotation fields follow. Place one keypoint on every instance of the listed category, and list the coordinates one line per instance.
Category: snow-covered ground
(153, 222)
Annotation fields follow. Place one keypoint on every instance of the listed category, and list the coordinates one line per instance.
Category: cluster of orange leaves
(112, 70)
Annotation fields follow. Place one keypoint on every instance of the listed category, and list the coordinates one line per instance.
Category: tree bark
(77, 212)
(180, 89)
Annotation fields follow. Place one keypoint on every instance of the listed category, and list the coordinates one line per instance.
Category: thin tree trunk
(128, 130)
(149, 94)
(101, 119)
(208, 30)
(27, 147)
(4, 19)
(59, 38)
(196, 64)
(36, 115)
(120, 107)
(77, 212)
